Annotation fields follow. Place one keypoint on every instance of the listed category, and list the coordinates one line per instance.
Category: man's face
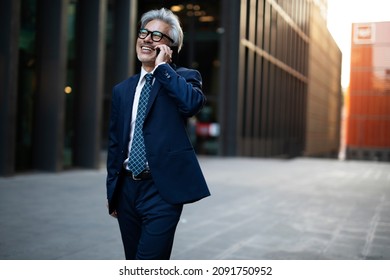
(145, 48)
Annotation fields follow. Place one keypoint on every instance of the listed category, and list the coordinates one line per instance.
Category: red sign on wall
(364, 33)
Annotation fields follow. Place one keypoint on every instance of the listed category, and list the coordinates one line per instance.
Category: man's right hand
(113, 214)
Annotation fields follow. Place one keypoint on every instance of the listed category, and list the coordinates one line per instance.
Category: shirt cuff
(161, 63)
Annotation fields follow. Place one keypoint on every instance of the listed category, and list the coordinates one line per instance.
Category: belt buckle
(135, 178)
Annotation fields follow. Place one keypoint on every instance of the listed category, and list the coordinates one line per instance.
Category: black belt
(144, 175)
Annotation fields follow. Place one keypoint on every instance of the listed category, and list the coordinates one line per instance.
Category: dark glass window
(27, 85)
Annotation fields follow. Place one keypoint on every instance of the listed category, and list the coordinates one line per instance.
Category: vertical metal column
(89, 85)
(9, 30)
(125, 28)
(229, 75)
(49, 118)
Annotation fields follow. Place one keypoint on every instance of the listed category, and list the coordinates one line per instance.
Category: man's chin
(146, 58)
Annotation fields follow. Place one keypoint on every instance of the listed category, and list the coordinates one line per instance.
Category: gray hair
(167, 16)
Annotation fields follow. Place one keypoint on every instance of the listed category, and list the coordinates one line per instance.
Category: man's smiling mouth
(145, 48)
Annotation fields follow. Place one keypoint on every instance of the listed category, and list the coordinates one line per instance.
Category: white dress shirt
(138, 89)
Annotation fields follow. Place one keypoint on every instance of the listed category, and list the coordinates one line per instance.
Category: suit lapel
(128, 99)
(127, 108)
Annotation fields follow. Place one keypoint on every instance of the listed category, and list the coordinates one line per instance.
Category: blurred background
(275, 77)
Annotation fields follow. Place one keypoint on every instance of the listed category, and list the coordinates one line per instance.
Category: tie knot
(148, 77)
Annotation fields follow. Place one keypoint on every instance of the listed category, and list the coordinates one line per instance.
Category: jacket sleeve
(184, 86)
(112, 145)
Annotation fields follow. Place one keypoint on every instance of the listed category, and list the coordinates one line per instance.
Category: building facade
(53, 79)
(272, 86)
(285, 98)
(368, 96)
(324, 94)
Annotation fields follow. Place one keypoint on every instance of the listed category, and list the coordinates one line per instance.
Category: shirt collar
(143, 73)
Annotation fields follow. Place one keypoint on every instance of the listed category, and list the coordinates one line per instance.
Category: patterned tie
(137, 160)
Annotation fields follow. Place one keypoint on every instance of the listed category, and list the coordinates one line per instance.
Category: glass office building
(273, 86)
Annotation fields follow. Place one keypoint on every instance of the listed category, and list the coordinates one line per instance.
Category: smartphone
(175, 54)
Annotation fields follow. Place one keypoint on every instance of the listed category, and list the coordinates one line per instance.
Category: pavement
(260, 209)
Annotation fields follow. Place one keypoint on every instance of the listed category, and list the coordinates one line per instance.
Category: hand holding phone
(163, 54)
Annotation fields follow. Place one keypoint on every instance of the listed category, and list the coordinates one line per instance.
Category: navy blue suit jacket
(176, 95)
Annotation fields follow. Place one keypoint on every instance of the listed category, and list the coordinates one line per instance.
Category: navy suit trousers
(147, 222)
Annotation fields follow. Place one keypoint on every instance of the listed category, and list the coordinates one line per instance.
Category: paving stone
(302, 208)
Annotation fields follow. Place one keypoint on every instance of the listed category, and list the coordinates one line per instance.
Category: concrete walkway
(259, 209)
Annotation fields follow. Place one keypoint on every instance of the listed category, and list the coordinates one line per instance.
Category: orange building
(368, 97)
